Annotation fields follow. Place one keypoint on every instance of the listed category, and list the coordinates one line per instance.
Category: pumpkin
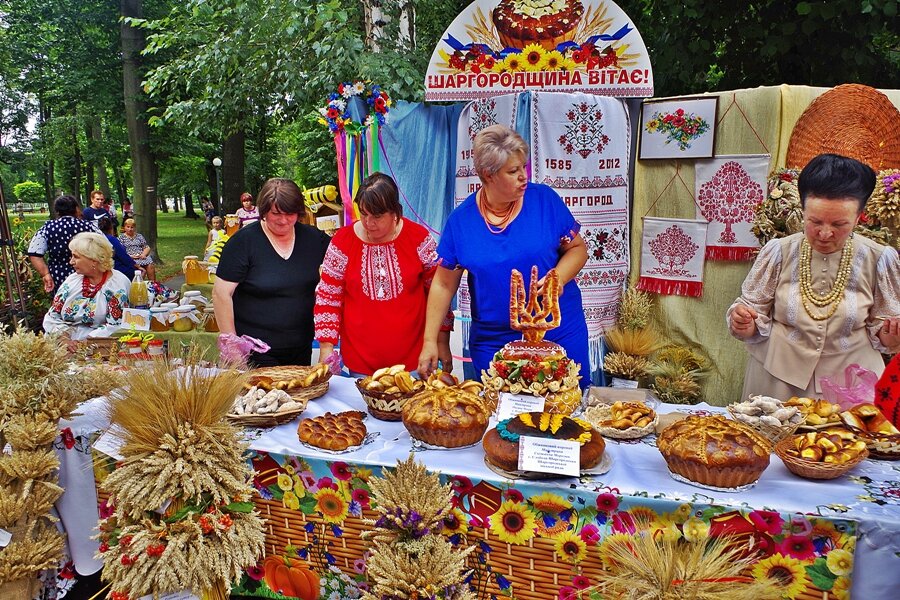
(291, 577)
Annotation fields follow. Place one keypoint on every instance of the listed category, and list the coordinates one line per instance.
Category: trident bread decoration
(532, 365)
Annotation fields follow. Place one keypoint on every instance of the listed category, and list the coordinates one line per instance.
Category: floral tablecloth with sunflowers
(810, 537)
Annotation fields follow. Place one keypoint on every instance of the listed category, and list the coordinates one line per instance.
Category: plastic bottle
(138, 294)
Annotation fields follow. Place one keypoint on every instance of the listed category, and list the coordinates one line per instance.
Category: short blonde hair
(93, 246)
(128, 221)
(493, 146)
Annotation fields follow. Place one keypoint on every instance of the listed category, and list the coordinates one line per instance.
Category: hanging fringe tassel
(731, 253)
(669, 287)
(596, 352)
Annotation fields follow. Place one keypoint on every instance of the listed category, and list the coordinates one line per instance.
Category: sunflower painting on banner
(672, 256)
(728, 190)
(477, 115)
(580, 146)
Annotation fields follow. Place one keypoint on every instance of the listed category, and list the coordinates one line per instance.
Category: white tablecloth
(869, 495)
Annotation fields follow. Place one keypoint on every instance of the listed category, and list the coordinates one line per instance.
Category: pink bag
(858, 388)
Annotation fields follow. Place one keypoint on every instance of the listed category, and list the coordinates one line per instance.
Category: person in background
(267, 275)
(52, 241)
(821, 299)
(209, 211)
(374, 287)
(247, 213)
(507, 224)
(121, 261)
(215, 234)
(97, 207)
(138, 248)
(111, 209)
(89, 302)
(126, 209)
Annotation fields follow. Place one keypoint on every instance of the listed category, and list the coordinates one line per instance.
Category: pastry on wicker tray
(714, 451)
(334, 431)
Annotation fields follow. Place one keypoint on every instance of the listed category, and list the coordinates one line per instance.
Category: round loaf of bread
(537, 368)
(714, 451)
(501, 444)
(449, 417)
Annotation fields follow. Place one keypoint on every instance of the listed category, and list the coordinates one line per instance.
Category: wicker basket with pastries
(769, 416)
(386, 391)
(300, 381)
(818, 412)
(881, 437)
(821, 454)
(622, 420)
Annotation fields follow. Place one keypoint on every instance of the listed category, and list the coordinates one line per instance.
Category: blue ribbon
(622, 32)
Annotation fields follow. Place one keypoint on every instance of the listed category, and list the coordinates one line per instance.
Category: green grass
(177, 238)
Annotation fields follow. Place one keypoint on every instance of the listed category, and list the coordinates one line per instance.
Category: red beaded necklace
(88, 289)
(505, 215)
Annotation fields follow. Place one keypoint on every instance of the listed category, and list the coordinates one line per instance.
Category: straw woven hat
(852, 120)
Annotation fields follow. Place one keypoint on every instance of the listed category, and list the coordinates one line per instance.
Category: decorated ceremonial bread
(532, 365)
(334, 431)
(449, 416)
(714, 451)
(545, 22)
(387, 390)
(501, 444)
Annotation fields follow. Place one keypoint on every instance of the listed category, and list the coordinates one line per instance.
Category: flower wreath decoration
(336, 112)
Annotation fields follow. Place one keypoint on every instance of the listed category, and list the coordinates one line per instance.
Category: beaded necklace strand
(832, 300)
(504, 215)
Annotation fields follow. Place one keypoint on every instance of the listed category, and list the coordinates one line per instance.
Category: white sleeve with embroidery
(758, 290)
(330, 296)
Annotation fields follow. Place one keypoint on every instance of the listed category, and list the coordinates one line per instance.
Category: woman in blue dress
(507, 224)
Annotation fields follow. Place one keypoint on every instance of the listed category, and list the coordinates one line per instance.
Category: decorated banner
(580, 146)
(500, 46)
(728, 190)
(672, 256)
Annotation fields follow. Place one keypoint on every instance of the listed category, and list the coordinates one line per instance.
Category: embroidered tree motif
(729, 197)
(484, 115)
(672, 249)
(584, 132)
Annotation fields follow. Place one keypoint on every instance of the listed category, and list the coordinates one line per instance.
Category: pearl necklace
(832, 300)
(505, 215)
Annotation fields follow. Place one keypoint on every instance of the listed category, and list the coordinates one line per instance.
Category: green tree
(29, 192)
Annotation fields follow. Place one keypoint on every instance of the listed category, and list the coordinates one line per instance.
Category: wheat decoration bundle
(36, 391)
(649, 566)
(409, 557)
(183, 517)
(676, 373)
(626, 366)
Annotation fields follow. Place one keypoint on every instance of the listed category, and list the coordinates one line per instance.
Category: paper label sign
(5, 536)
(511, 405)
(546, 455)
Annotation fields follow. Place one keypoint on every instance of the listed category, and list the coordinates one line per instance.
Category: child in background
(215, 234)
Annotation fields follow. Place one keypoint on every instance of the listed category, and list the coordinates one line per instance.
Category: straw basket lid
(852, 120)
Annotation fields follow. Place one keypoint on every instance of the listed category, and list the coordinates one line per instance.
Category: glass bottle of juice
(138, 294)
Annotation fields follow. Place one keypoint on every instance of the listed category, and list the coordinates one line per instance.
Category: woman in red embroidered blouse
(374, 285)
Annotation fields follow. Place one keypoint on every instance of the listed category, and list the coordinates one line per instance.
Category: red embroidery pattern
(673, 249)
(729, 198)
(584, 133)
(381, 278)
(484, 114)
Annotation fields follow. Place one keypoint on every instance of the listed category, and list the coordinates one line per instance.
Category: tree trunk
(213, 189)
(374, 19)
(233, 156)
(89, 162)
(76, 171)
(175, 201)
(144, 171)
(189, 212)
(44, 116)
(121, 188)
(102, 176)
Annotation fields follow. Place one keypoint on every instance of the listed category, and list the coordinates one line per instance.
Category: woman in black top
(267, 276)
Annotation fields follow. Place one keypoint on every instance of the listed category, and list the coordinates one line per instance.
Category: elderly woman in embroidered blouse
(819, 300)
(507, 224)
(89, 302)
(374, 287)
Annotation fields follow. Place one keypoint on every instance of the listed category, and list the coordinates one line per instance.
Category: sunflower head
(784, 571)
(570, 547)
(331, 505)
(513, 523)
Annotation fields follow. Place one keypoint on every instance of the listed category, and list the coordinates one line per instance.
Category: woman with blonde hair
(89, 302)
(507, 224)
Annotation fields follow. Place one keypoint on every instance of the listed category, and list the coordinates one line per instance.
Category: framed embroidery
(678, 128)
